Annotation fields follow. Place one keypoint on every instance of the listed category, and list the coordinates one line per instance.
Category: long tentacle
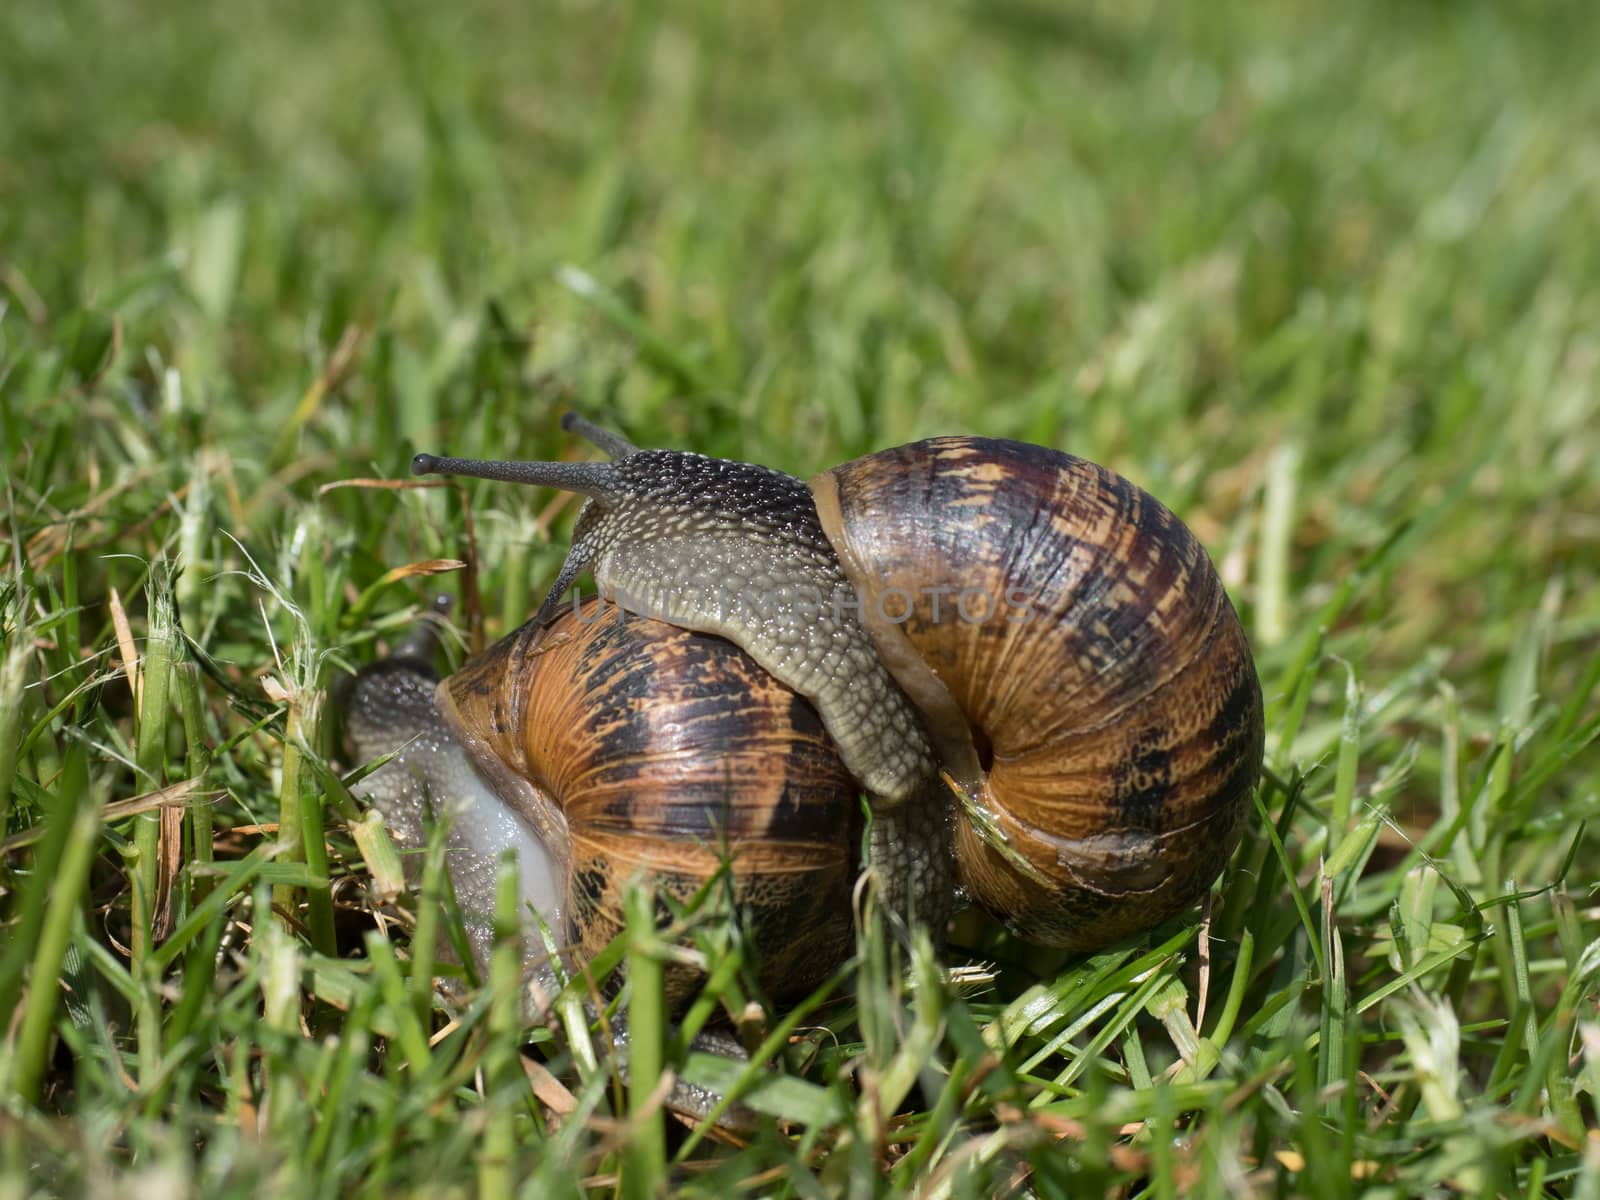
(594, 479)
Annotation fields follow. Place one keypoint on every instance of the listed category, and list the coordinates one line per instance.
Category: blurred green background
(1323, 276)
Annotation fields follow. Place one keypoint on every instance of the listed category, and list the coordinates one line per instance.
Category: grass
(1321, 277)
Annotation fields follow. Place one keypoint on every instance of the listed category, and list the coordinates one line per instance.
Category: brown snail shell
(1081, 670)
(637, 749)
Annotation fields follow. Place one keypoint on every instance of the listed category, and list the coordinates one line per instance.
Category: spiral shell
(1079, 666)
(637, 748)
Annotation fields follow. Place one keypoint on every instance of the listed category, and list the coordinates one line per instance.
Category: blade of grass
(66, 891)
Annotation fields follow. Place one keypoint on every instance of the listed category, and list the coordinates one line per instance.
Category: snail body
(1076, 755)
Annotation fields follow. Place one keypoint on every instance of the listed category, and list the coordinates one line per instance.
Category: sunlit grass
(1321, 277)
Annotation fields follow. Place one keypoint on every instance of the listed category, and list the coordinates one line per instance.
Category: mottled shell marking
(666, 752)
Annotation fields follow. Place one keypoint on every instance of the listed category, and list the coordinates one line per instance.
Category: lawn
(1323, 277)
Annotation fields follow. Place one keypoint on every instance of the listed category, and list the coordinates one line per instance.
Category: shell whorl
(1087, 679)
(648, 748)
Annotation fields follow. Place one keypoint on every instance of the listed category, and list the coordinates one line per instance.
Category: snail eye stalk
(593, 479)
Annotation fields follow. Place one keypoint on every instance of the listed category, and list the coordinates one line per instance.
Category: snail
(1027, 662)
(598, 749)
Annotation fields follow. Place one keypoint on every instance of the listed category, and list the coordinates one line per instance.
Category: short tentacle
(614, 444)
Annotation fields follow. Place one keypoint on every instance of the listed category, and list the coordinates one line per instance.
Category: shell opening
(1113, 863)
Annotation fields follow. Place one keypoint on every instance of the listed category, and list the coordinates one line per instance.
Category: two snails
(1027, 663)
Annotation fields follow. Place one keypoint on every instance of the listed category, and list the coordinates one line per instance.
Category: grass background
(1321, 276)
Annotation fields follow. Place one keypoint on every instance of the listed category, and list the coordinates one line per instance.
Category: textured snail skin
(1094, 700)
(621, 748)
